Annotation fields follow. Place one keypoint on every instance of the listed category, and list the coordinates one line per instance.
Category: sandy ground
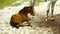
(37, 21)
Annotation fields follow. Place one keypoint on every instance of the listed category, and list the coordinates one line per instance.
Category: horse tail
(13, 24)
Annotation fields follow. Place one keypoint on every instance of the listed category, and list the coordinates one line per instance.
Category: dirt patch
(55, 25)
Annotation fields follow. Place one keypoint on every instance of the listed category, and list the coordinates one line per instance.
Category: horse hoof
(46, 19)
(52, 19)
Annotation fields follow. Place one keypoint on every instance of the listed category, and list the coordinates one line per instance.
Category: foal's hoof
(30, 25)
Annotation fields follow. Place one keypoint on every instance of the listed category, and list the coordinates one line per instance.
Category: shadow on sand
(55, 25)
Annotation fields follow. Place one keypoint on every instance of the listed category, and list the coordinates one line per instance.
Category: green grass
(4, 3)
(16, 4)
(37, 2)
(19, 3)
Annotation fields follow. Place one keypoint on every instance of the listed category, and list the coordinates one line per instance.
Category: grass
(4, 3)
(37, 2)
(21, 1)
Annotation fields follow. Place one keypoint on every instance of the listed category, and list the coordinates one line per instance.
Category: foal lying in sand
(17, 20)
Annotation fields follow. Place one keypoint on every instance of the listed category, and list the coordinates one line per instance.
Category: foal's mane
(24, 9)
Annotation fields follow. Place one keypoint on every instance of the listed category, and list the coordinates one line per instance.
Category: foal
(18, 19)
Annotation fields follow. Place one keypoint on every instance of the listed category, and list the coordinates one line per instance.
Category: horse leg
(29, 24)
(47, 14)
(27, 20)
(52, 10)
(46, 0)
(21, 24)
(25, 23)
(48, 10)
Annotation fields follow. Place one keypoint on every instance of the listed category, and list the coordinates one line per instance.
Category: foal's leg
(29, 24)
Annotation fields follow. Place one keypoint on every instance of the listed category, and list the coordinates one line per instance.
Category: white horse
(52, 4)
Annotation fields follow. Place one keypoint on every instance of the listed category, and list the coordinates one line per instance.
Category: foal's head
(27, 10)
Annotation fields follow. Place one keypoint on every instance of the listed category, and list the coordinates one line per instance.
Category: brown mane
(24, 9)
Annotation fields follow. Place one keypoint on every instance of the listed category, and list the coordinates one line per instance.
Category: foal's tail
(14, 24)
